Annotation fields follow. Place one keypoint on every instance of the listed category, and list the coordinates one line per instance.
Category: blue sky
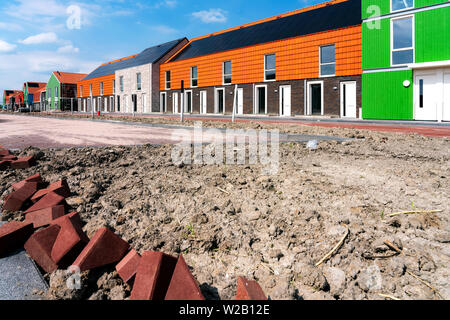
(41, 36)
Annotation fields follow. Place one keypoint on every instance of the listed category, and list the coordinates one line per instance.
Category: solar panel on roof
(150, 55)
(330, 17)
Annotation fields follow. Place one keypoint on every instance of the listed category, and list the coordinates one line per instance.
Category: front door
(240, 101)
(261, 95)
(175, 103)
(203, 105)
(220, 98)
(315, 99)
(425, 101)
(163, 103)
(446, 111)
(188, 102)
(285, 101)
(348, 99)
(134, 100)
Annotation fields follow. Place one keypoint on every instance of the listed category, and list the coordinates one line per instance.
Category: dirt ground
(230, 221)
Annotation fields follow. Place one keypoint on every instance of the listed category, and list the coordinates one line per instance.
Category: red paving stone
(61, 187)
(127, 268)
(15, 201)
(34, 178)
(104, 248)
(13, 235)
(153, 276)
(249, 290)
(45, 217)
(39, 247)
(23, 163)
(50, 200)
(183, 286)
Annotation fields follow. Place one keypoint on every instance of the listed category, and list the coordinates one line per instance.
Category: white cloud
(162, 29)
(68, 49)
(211, 15)
(49, 37)
(6, 47)
(10, 26)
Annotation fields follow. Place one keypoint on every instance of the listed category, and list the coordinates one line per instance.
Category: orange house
(306, 62)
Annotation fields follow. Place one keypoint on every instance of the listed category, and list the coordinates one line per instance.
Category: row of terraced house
(370, 59)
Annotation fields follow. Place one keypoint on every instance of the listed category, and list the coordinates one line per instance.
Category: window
(327, 60)
(114, 86)
(118, 103)
(421, 94)
(194, 77)
(227, 72)
(397, 5)
(81, 91)
(269, 67)
(56, 92)
(121, 83)
(167, 80)
(101, 88)
(90, 90)
(138, 81)
(402, 41)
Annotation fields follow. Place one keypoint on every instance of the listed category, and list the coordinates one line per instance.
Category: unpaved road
(232, 220)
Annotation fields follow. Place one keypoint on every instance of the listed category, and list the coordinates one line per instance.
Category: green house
(406, 59)
(62, 91)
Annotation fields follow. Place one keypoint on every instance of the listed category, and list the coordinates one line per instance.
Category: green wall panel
(385, 97)
(432, 35)
(376, 45)
(424, 3)
(51, 85)
(385, 7)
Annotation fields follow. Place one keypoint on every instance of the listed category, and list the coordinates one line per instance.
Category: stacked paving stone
(8, 160)
(56, 240)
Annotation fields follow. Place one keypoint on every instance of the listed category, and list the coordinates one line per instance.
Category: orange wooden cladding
(296, 58)
(107, 86)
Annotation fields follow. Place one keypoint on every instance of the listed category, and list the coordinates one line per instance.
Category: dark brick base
(331, 96)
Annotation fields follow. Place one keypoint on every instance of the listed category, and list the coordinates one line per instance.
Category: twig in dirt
(329, 254)
(412, 212)
(369, 256)
(393, 247)
(222, 190)
(389, 297)
(425, 283)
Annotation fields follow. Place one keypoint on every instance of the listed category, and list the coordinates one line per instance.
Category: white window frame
(192, 79)
(176, 103)
(328, 63)
(101, 88)
(255, 95)
(309, 101)
(121, 83)
(223, 73)
(114, 87)
(165, 80)
(81, 91)
(206, 101)
(216, 100)
(265, 67)
(392, 10)
(403, 49)
(138, 83)
(162, 97)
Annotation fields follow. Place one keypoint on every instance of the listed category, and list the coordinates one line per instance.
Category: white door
(240, 101)
(285, 101)
(175, 102)
(203, 102)
(348, 99)
(425, 97)
(446, 105)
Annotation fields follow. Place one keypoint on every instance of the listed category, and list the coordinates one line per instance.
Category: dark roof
(330, 17)
(150, 55)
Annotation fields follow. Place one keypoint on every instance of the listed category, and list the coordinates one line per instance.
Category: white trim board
(408, 12)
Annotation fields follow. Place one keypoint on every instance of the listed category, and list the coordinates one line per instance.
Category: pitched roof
(150, 55)
(68, 77)
(329, 16)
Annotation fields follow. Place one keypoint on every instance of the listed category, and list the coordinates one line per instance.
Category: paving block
(183, 286)
(39, 247)
(104, 248)
(50, 200)
(60, 187)
(249, 290)
(127, 268)
(34, 178)
(8, 158)
(45, 217)
(23, 163)
(4, 152)
(70, 242)
(153, 276)
(13, 235)
(15, 201)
